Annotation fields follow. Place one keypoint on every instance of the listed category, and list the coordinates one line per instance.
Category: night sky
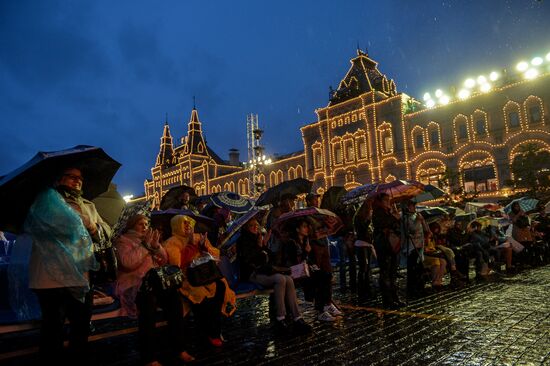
(106, 73)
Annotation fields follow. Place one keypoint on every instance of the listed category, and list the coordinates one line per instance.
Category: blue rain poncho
(61, 242)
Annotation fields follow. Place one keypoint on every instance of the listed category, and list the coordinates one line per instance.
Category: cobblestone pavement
(503, 322)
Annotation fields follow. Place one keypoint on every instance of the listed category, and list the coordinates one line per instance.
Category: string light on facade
(444, 100)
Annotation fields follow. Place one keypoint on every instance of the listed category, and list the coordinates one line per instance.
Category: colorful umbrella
(398, 190)
(525, 203)
(359, 194)
(171, 199)
(324, 222)
(294, 187)
(430, 193)
(232, 201)
(19, 188)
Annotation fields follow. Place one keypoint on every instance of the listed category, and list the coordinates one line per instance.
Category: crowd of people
(376, 233)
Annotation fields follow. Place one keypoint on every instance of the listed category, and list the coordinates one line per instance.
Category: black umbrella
(332, 198)
(161, 220)
(19, 188)
(172, 198)
(294, 187)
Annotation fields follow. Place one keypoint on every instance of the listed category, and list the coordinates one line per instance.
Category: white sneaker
(333, 310)
(326, 317)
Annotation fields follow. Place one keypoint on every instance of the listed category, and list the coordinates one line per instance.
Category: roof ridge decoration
(362, 77)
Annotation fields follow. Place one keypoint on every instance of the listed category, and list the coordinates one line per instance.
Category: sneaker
(333, 310)
(280, 327)
(301, 327)
(216, 342)
(326, 317)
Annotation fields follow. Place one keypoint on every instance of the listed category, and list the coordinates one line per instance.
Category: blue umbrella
(236, 225)
(19, 188)
(232, 201)
(359, 194)
(430, 193)
(525, 203)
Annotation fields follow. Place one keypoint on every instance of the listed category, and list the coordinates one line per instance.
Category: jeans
(346, 251)
(283, 291)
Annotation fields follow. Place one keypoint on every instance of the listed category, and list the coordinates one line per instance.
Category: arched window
(291, 173)
(280, 177)
(299, 172)
(460, 126)
(272, 179)
(350, 153)
(512, 116)
(534, 109)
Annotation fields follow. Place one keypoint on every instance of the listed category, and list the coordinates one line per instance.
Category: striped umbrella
(525, 203)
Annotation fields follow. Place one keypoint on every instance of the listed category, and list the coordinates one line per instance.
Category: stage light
(531, 73)
(470, 83)
(522, 66)
(536, 61)
(463, 93)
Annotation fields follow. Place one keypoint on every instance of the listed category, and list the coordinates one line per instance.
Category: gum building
(371, 132)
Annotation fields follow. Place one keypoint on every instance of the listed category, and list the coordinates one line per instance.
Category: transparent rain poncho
(61, 241)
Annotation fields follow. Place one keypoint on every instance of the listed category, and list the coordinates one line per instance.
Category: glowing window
(513, 119)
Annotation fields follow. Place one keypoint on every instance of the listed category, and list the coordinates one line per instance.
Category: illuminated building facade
(370, 132)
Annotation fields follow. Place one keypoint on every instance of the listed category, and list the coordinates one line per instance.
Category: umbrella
(171, 199)
(238, 224)
(294, 187)
(359, 194)
(398, 190)
(429, 212)
(160, 219)
(332, 198)
(324, 222)
(19, 188)
(136, 208)
(109, 205)
(525, 203)
(232, 201)
(430, 193)
(465, 217)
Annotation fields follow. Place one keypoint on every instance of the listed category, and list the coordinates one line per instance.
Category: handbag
(163, 278)
(203, 271)
(300, 270)
(395, 242)
(105, 254)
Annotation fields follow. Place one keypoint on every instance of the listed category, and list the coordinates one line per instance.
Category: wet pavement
(503, 322)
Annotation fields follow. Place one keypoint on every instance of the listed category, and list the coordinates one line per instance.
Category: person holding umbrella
(62, 225)
(386, 226)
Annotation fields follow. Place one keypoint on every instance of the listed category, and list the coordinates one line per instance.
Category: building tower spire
(166, 156)
(195, 140)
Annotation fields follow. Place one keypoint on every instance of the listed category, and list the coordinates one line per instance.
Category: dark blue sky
(104, 73)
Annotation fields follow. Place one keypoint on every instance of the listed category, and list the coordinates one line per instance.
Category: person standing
(386, 224)
(364, 248)
(63, 226)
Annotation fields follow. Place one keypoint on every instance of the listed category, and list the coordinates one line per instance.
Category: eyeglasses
(74, 177)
